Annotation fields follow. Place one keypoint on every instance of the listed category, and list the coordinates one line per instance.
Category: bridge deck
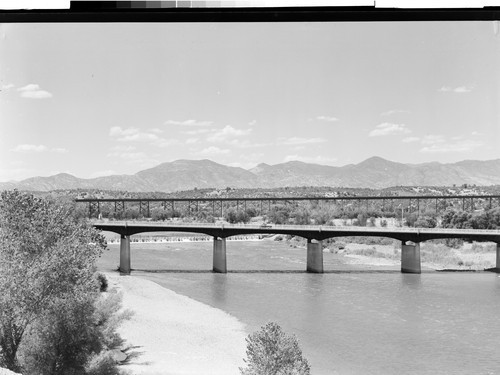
(317, 232)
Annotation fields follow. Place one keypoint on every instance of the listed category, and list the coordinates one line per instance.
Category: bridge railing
(304, 227)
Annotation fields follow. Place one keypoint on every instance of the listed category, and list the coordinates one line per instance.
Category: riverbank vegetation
(54, 319)
(270, 351)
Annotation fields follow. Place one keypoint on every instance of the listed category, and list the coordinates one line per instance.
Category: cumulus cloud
(394, 112)
(131, 134)
(458, 90)
(327, 118)
(299, 141)
(33, 91)
(212, 150)
(188, 123)
(433, 139)
(387, 128)
(308, 159)
(7, 86)
(463, 145)
(226, 133)
(135, 135)
(435, 143)
(27, 148)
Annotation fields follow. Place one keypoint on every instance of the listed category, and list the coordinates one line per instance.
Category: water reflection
(411, 281)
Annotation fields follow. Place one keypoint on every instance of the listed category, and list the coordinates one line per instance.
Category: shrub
(272, 352)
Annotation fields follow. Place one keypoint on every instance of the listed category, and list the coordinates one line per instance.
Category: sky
(99, 99)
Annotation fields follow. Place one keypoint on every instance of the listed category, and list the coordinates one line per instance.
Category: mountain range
(374, 172)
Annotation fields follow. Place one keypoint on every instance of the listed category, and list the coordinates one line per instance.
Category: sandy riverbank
(174, 334)
(469, 260)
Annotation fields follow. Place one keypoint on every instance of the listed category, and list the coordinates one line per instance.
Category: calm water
(348, 320)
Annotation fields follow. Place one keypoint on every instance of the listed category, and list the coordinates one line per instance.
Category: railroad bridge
(410, 239)
(409, 203)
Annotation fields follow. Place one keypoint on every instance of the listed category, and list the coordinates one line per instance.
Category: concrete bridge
(409, 237)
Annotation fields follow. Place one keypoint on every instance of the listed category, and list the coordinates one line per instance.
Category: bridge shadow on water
(272, 271)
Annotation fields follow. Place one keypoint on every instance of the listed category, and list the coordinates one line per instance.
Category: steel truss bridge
(216, 206)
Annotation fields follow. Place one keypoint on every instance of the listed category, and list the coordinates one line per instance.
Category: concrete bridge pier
(125, 254)
(497, 264)
(314, 256)
(410, 257)
(219, 260)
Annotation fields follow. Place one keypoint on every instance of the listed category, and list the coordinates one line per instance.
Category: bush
(272, 352)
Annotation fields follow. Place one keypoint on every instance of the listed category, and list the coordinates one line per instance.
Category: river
(349, 320)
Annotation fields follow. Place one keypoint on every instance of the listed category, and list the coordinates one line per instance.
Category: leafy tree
(272, 352)
(47, 275)
(425, 222)
(279, 214)
(456, 219)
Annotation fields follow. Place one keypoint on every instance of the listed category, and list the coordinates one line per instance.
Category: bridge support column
(410, 258)
(125, 254)
(497, 264)
(219, 261)
(314, 256)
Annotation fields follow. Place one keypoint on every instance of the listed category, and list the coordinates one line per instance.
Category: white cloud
(136, 135)
(212, 150)
(433, 139)
(188, 123)
(252, 123)
(458, 90)
(222, 135)
(33, 91)
(327, 118)
(299, 141)
(387, 128)
(7, 86)
(192, 140)
(30, 148)
(131, 134)
(411, 139)
(394, 111)
(308, 159)
(459, 146)
(38, 148)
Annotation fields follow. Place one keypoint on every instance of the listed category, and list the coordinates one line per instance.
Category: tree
(272, 352)
(47, 261)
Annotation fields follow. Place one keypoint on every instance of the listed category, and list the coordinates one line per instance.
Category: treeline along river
(349, 320)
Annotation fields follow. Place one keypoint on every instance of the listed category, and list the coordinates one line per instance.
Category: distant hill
(373, 173)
